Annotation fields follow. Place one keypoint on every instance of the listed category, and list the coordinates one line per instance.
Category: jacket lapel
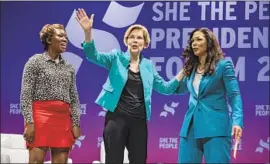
(142, 66)
(205, 80)
(126, 59)
(203, 84)
(144, 71)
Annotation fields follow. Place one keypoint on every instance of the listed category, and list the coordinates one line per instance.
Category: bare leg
(37, 155)
(59, 155)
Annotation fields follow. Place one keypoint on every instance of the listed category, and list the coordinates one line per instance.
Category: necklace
(200, 71)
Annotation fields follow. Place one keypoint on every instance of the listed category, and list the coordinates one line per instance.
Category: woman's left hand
(76, 132)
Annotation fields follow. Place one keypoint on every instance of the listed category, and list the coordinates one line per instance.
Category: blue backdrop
(241, 27)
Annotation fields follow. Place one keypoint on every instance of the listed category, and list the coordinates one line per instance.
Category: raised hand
(85, 22)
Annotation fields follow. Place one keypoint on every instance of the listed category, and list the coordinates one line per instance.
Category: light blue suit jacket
(117, 63)
(210, 108)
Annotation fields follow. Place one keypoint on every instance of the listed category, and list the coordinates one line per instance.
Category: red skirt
(53, 125)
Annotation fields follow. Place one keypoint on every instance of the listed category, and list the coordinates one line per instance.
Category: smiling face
(58, 42)
(199, 44)
(54, 38)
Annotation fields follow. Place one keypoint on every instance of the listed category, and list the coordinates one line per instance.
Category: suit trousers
(213, 149)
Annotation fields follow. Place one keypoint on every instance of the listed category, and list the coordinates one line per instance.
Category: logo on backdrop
(99, 141)
(114, 12)
(14, 108)
(78, 142)
(263, 146)
(169, 109)
(83, 108)
(262, 110)
(103, 112)
(239, 146)
(168, 143)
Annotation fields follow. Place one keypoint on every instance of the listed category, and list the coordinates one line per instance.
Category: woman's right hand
(29, 132)
(85, 22)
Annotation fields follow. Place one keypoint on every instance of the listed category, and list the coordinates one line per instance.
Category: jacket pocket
(218, 105)
(220, 109)
(107, 87)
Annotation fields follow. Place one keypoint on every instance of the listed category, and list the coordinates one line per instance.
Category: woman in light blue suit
(211, 82)
(127, 92)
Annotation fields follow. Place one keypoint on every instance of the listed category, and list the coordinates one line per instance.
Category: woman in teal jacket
(127, 92)
(211, 82)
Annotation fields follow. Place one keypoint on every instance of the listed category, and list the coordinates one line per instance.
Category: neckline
(133, 72)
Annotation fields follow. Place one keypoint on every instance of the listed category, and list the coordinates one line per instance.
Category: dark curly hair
(47, 32)
(213, 50)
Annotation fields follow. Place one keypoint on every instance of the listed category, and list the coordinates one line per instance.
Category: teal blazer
(117, 63)
(210, 108)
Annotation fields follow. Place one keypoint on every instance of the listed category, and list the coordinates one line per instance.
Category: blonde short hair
(47, 32)
(146, 35)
